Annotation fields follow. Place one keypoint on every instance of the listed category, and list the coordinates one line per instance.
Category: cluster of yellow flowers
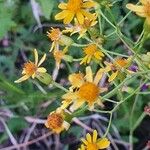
(80, 16)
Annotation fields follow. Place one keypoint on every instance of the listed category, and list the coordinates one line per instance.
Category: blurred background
(24, 107)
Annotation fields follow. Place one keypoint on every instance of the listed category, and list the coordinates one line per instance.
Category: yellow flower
(54, 35)
(116, 67)
(91, 52)
(61, 55)
(58, 55)
(32, 69)
(55, 121)
(86, 89)
(75, 8)
(92, 143)
(142, 10)
(81, 28)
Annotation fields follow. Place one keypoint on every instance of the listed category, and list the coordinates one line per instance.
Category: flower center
(55, 120)
(54, 34)
(58, 55)
(121, 62)
(74, 5)
(89, 92)
(147, 9)
(90, 50)
(92, 146)
(30, 68)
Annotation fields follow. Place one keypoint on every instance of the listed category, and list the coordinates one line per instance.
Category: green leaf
(6, 18)
(47, 7)
(16, 124)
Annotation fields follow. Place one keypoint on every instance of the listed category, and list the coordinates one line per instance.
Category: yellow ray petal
(139, 9)
(89, 75)
(33, 76)
(77, 104)
(36, 56)
(88, 4)
(65, 104)
(87, 14)
(89, 59)
(61, 15)
(62, 6)
(103, 143)
(69, 95)
(52, 47)
(88, 137)
(25, 77)
(69, 17)
(76, 79)
(98, 76)
(42, 60)
(41, 69)
(80, 17)
(84, 141)
(144, 2)
(94, 136)
(113, 76)
(84, 60)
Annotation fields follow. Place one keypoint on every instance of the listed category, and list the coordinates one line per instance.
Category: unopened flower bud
(44, 78)
(68, 58)
(65, 40)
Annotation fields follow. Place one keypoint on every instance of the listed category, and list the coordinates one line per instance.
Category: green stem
(59, 86)
(109, 125)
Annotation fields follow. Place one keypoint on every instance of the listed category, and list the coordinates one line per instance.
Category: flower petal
(84, 60)
(89, 75)
(36, 56)
(98, 76)
(88, 4)
(88, 137)
(42, 60)
(76, 79)
(84, 141)
(144, 2)
(94, 136)
(25, 77)
(61, 15)
(80, 17)
(103, 143)
(77, 104)
(41, 70)
(69, 17)
(135, 8)
(70, 95)
(113, 76)
(65, 103)
(62, 6)
(87, 14)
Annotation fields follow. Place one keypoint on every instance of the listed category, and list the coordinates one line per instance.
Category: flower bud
(65, 40)
(68, 58)
(44, 78)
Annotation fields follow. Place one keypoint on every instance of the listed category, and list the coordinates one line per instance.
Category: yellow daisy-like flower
(91, 52)
(58, 55)
(92, 143)
(32, 69)
(142, 10)
(85, 89)
(61, 55)
(54, 35)
(75, 8)
(81, 28)
(55, 121)
(116, 67)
